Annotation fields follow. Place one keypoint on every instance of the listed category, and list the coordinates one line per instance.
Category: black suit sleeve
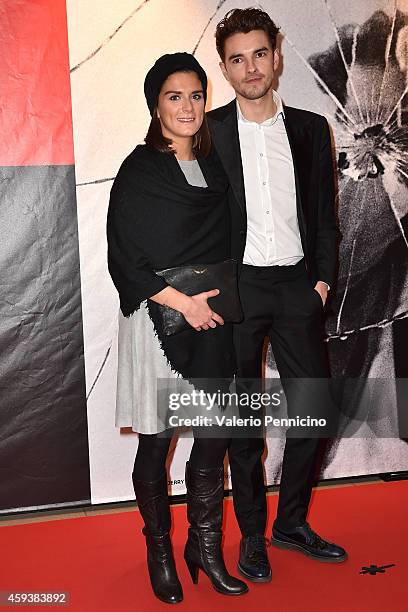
(327, 228)
(130, 269)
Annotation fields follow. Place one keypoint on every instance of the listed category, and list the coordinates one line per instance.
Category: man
(284, 231)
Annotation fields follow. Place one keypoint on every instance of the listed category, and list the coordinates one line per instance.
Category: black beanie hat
(163, 68)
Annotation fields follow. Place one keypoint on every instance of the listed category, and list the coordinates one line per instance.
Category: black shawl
(157, 220)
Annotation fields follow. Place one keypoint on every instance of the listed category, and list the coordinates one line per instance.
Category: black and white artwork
(363, 74)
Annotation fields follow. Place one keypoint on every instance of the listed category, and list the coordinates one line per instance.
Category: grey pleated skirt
(142, 370)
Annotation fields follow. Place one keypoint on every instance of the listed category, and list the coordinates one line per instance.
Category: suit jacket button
(242, 232)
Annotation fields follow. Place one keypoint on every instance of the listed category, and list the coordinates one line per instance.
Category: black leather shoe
(305, 540)
(253, 561)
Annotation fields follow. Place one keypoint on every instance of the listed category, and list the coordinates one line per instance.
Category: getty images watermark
(200, 400)
(299, 407)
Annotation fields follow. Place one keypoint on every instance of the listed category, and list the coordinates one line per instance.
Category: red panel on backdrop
(35, 113)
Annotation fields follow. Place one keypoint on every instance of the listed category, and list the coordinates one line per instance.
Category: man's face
(250, 64)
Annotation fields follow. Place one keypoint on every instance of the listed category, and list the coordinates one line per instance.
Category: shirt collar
(271, 120)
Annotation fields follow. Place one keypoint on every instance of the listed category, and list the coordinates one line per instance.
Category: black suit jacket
(309, 140)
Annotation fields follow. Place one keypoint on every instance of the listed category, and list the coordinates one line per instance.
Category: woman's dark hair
(244, 21)
(156, 140)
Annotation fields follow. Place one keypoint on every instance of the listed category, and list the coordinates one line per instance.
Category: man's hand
(322, 288)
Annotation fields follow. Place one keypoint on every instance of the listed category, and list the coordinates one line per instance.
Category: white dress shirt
(273, 237)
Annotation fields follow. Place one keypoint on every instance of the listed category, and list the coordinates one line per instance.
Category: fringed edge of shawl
(158, 331)
(159, 334)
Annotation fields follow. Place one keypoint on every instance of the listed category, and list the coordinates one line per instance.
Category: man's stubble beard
(256, 91)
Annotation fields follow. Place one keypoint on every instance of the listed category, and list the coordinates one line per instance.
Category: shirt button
(267, 212)
(264, 183)
(261, 154)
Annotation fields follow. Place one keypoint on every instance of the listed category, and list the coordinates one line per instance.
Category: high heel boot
(152, 499)
(205, 495)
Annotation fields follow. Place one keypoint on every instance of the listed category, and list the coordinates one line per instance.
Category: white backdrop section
(112, 45)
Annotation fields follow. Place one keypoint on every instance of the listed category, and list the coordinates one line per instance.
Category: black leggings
(150, 461)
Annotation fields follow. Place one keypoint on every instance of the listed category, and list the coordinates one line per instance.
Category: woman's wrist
(181, 302)
(169, 296)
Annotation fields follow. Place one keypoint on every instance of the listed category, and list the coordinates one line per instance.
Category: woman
(168, 208)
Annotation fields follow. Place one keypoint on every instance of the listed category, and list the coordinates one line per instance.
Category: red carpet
(100, 559)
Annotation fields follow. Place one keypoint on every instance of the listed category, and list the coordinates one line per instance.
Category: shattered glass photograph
(364, 74)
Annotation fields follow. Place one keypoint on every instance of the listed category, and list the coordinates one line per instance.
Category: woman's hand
(198, 313)
(194, 308)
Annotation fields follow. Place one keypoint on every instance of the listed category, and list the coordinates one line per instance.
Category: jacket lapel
(295, 144)
(226, 141)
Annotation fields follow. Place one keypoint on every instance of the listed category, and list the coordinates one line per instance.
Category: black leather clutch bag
(193, 279)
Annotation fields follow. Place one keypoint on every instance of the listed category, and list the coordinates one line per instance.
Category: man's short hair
(244, 21)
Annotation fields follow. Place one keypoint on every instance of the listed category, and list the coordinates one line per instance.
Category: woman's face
(180, 105)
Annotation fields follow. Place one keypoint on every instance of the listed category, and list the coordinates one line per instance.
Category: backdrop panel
(43, 443)
(346, 60)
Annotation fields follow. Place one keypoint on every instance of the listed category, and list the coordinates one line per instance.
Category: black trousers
(279, 302)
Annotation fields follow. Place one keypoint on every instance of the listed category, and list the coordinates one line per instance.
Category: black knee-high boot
(153, 502)
(205, 496)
